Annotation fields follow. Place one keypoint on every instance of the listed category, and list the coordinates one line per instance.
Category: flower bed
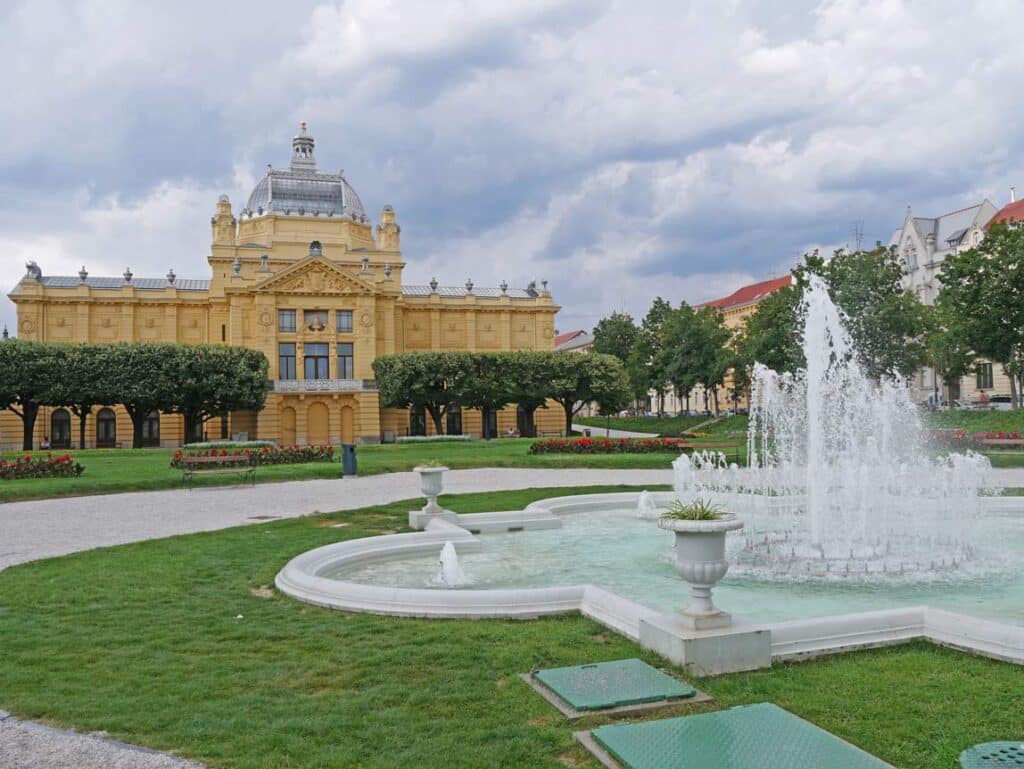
(961, 440)
(265, 455)
(50, 466)
(610, 446)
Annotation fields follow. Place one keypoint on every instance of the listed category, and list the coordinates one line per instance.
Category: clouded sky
(621, 150)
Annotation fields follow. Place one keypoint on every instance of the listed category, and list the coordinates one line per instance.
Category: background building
(302, 275)
(923, 245)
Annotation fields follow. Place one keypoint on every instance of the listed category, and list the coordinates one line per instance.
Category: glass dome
(304, 193)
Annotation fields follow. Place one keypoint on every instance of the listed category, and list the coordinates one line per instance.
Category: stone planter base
(418, 519)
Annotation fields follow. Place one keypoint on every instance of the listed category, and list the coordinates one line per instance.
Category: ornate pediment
(314, 276)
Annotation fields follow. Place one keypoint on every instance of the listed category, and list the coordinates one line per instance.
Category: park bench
(233, 464)
(549, 433)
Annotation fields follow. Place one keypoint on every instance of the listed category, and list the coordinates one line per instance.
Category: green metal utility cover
(993, 755)
(612, 684)
(760, 736)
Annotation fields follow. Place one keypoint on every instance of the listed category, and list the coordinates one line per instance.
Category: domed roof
(301, 190)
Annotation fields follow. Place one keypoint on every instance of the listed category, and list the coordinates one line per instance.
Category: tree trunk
(1014, 401)
(84, 415)
(714, 397)
(568, 418)
(438, 417)
(530, 413)
(28, 424)
(138, 417)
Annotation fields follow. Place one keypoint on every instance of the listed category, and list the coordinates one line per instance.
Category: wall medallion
(266, 318)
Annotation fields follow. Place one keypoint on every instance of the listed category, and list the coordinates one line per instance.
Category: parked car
(1000, 403)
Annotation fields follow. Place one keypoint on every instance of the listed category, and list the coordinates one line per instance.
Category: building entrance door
(287, 426)
(316, 425)
(348, 426)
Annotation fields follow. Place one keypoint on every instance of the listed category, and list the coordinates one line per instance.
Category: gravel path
(26, 745)
(604, 432)
(50, 527)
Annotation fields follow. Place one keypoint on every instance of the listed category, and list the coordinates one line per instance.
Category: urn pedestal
(700, 560)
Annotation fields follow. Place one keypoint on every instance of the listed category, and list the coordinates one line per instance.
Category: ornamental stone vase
(431, 484)
(700, 560)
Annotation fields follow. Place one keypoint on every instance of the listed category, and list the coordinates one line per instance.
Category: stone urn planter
(700, 560)
(431, 484)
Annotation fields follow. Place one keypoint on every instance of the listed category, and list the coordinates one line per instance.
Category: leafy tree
(489, 383)
(579, 379)
(85, 383)
(28, 373)
(678, 358)
(146, 377)
(771, 337)
(428, 380)
(615, 335)
(887, 323)
(530, 382)
(949, 355)
(644, 365)
(214, 380)
(983, 294)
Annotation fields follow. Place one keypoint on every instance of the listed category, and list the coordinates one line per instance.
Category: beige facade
(301, 275)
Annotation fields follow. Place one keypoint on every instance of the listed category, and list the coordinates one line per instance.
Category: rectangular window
(286, 320)
(346, 367)
(286, 360)
(344, 320)
(315, 361)
(315, 320)
(984, 376)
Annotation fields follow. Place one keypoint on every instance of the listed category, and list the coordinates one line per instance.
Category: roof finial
(302, 151)
(6, 335)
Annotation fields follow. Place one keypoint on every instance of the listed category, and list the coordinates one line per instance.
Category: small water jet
(645, 506)
(449, 571)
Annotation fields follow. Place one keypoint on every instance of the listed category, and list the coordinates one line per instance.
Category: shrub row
(225, 444)
(609, 446)
(61, 466)
(267, 455)
(432, 438)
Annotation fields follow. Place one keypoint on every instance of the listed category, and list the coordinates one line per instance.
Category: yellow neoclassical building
(302, 275)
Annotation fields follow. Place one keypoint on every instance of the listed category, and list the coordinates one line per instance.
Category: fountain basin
(591, 554)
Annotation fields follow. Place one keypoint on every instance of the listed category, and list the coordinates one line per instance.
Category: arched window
(417, 421)
(106, 429)
(453, 416)
(60, 429)
(316, 249)
(151, 429)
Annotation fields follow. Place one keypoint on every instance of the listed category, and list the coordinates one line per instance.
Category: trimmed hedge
(61, 466)
(610, 446)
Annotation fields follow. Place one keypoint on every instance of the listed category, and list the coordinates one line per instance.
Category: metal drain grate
(760, 736)
(612, 684)
(993, 755)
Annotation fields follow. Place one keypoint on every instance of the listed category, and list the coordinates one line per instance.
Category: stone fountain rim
(726, 522)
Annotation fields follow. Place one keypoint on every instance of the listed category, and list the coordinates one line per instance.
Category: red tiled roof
(748, 294)
(563, 338)
(1011, 212)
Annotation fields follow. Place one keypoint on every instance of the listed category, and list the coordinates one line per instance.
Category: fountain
(645, 506)
(449, 572)
(838, 476)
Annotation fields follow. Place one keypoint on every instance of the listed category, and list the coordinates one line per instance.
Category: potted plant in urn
(700, 528)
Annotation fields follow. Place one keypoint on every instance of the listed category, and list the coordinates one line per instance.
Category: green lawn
(668, 426)
(177, 645)
(113, 470)
(976, 421)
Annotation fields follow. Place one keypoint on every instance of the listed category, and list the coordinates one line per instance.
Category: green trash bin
(348, 459)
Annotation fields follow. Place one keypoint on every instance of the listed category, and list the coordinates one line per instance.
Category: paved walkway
(51, 527)
(26, 745)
